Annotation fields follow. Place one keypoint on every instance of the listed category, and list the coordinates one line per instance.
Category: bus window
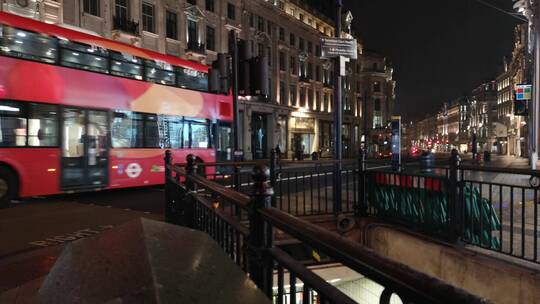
(97, 132)
(74, 129)
(170, 131)
(27, 45)
(160, 73)
(42, 125)
(199, 135)
(176, 126)
(185, 136)
(151, 131)
(126, 66)
(192, 79)
(12, 124)
(84, 57)
(127, 130)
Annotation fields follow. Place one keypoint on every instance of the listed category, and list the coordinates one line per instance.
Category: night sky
(440, 49)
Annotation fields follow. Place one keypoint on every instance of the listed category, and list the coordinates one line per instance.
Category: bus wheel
(8, 187)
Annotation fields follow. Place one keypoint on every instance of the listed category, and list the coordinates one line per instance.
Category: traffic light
(252, 73)
(213, 79)
(224, 72)
(259, 76)
(520, 108)
(218, 75)
(244, 54)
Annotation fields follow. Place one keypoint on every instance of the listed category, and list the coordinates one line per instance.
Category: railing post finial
(361, 208)
(191, 164)
(261, 179)
(260, 232)
(455, 160)
(455, 201)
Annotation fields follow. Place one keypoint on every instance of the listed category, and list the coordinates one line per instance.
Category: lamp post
(529, 9)
(234, 78)
(338, 116)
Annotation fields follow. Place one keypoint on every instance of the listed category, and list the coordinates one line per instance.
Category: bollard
(454, 200)
(427, 162)
(260, 232)
(361, 208)
(487, 156)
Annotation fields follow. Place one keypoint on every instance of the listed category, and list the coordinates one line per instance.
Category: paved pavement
(34, 231)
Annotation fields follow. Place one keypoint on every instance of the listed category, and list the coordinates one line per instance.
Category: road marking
(293, 178)
(68, 237)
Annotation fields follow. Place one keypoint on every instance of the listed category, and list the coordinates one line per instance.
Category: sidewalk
(34, 233)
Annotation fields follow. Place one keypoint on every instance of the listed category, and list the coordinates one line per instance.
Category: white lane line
(295, 178)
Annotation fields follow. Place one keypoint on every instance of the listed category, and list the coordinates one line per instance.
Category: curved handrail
(406, 282)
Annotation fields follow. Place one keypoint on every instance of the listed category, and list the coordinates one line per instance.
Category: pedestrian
(474, 147)
(278, 152)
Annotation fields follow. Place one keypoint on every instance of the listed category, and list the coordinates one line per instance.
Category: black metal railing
(500, 209)
(301, 187)
(196, 47)
(126, 25)
(493, 208)
(245, 227)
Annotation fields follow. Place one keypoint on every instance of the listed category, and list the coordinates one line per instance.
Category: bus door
(85, 154)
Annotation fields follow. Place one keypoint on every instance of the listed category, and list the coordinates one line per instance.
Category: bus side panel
(38, 169)
(144, 167)
(38, 82)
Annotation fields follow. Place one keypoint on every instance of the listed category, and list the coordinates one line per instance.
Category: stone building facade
(299, 107)
(483, 114)
(512, 134)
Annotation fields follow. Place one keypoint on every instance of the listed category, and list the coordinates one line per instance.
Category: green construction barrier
(479, 227)
(426, 208)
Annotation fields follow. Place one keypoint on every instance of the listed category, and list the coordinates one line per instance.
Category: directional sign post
(336, 47)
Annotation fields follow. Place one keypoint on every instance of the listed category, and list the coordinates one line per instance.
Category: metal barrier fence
(500, 209)
(301, 187)
(245, 226)
(496, 209)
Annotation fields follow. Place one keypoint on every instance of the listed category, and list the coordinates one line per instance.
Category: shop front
(326, 138)
(259, 135)
(302, 131)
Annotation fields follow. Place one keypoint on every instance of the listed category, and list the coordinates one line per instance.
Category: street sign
(523, 92)
(336, 47)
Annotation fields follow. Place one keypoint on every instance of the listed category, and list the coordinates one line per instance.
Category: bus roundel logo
(133, 170)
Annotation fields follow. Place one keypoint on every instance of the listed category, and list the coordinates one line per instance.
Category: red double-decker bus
(79, 112)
